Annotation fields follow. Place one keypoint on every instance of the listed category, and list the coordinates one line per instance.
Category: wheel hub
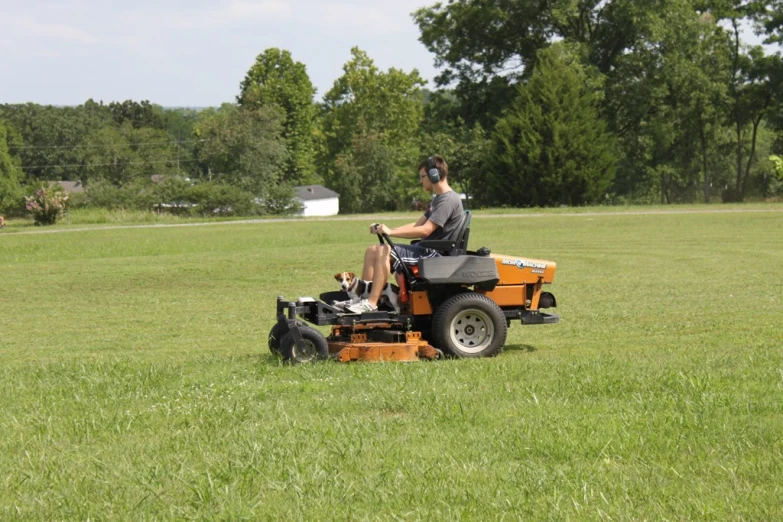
(307, 354)
(471, 330)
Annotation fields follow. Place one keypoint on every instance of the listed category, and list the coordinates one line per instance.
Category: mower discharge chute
(459, 304)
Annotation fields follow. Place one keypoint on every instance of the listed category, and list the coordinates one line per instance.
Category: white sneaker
(361, 307)
(341, 304)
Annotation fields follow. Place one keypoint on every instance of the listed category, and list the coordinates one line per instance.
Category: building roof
(71, 186)
(311, 192)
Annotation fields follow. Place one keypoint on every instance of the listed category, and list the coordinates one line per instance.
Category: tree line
(566, 102)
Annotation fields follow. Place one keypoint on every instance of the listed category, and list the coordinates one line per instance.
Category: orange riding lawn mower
(459, 304)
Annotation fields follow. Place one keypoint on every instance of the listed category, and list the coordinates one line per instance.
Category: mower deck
(360, 348)
(369, 337)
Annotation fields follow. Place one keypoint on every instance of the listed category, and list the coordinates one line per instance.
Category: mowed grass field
(136, 382)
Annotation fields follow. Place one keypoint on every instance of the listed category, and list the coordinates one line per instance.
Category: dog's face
(347, 280)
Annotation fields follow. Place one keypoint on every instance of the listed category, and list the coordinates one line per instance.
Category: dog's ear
(338, 277)
(351, 276)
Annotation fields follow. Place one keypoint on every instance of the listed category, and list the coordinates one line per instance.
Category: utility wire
(120, 164)
(140, 144)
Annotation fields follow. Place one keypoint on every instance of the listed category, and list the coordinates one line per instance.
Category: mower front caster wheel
(315, 346)
(275, 336)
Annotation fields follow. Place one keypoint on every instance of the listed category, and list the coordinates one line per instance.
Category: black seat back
(461, 246)
(457, 244)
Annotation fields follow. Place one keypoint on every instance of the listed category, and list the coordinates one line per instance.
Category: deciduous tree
(370, 115)
(11, 195)
(243, 147)
(276, 79)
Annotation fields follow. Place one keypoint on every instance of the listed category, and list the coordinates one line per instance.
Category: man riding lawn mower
(449, 299)
(459, 303)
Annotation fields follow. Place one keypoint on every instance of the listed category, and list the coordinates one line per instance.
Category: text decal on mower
(524, 264)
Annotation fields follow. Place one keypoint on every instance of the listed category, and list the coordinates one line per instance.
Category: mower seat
(453, 266)
(457, 245)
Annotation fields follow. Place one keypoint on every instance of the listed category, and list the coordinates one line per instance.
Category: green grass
(100, 217)
(136, 382)
(80, 218)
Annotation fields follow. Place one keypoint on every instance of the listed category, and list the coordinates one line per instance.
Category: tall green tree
(276, 79)
(11, 196)
(666, 99)
(756, 85)
(551, 147)
(52, 135)
(676, 75)
(138, 114)
(485, 48)
(369, 114)
(243, 147)
(360, 192)
(769, 15)
(755, 82)
(125, 154)
(105, 154)
(468, 152)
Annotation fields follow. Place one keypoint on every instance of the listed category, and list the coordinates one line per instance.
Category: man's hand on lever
(379, 229)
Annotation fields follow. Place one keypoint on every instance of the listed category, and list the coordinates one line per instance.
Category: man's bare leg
(370, 255)
(382, 271)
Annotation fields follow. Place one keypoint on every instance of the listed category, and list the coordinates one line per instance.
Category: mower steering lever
(405, 269)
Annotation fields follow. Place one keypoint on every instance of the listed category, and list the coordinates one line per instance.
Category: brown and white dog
(358, 289)
(2, 221)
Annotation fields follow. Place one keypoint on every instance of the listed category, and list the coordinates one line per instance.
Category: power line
(105, 146)
(120, 164)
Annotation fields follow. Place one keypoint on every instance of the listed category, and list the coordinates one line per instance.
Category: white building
(317, 200)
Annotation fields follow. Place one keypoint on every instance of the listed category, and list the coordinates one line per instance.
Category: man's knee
(371, 252)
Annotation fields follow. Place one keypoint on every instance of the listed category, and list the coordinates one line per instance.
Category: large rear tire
(315, 349)
(469, 325)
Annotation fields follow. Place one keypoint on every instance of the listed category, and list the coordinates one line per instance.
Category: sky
(191, 53)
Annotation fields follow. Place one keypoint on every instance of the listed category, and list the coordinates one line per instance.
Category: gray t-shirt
(446, 212)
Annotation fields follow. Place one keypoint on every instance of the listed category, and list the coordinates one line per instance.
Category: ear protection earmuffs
(433, 172)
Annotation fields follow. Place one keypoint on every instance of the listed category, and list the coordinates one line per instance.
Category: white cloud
(24, 35)
(367, 18)
(221, 16)
(192, 52)
(244, 11)
(60, 32)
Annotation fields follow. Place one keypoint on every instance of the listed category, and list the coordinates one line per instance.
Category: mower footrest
(539, 318)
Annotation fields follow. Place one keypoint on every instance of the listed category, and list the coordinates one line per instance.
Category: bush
(105, 194)
(778, 162)
(218, 199)
(11, 197)
(280, 200)
(47, 204)
(180, 196)
(775, 187)
(170, 195)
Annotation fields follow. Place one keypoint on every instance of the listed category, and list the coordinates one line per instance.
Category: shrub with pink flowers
(47, 204)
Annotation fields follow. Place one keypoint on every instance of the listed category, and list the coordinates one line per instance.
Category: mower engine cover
(460, 270)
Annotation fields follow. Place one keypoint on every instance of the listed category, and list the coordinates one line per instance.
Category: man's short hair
(443, 167)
